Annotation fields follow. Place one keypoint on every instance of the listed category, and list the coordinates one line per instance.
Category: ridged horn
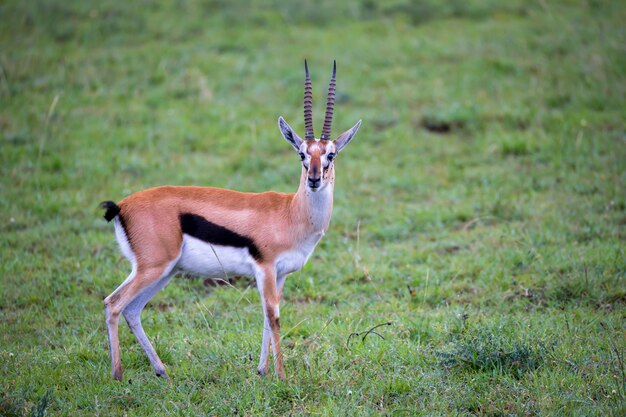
(308, 105)
(330, 104)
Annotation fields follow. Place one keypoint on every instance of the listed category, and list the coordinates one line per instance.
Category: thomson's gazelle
(216, 232)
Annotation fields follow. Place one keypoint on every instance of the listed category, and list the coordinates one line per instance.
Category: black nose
(314, 183)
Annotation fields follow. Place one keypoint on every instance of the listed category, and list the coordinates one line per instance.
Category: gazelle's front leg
(270, 298)
(267, 332)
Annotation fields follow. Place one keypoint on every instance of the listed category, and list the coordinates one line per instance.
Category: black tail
(111, 208)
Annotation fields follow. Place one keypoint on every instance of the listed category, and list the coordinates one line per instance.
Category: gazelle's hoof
(118, 374)
(162, 373)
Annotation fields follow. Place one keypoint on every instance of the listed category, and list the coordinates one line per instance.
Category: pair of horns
(308, 105)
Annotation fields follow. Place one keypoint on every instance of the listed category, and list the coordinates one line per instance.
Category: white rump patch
(122, 240)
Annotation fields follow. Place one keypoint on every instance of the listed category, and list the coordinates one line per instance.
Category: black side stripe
(201, 228)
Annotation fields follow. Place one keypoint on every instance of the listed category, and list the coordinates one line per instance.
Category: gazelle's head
(317, 154)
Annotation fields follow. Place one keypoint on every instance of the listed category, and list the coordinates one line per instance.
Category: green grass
(481, 208)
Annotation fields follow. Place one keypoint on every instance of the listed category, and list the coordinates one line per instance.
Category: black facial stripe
(201, 228)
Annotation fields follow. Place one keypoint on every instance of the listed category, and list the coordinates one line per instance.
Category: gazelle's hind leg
(132, 314)
(140, 280)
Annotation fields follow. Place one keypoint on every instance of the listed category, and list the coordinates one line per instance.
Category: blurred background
(480, 209)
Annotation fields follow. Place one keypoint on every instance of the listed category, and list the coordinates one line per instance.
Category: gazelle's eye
(302, 156)
(330, 156)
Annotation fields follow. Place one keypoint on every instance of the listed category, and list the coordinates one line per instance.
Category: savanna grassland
(480, 213)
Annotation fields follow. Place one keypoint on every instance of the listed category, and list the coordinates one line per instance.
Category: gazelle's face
(318, 156)
(317, 159)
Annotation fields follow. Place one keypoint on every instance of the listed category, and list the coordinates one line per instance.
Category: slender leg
(265, 346)
(132, 314)
(115, 303)
(280, 281)
(266, 281)
(264, 364)
(112, 322)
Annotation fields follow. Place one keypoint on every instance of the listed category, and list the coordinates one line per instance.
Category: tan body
(216, 233)
(153, 226)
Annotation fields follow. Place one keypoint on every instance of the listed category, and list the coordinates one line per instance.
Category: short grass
(480, 211)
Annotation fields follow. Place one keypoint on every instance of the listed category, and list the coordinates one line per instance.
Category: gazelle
(215, 232)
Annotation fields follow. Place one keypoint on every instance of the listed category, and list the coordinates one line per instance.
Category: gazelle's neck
(315, 208)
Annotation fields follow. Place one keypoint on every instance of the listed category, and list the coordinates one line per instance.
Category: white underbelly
(214, 261)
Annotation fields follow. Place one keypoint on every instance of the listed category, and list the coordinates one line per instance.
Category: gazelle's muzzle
(314, 183)
(314, 177)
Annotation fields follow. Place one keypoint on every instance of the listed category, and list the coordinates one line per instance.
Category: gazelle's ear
(288, 133)
(346, 136)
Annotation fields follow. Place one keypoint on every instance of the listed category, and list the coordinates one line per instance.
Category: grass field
(480, 213)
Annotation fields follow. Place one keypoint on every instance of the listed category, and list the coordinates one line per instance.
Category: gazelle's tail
(111, 208)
